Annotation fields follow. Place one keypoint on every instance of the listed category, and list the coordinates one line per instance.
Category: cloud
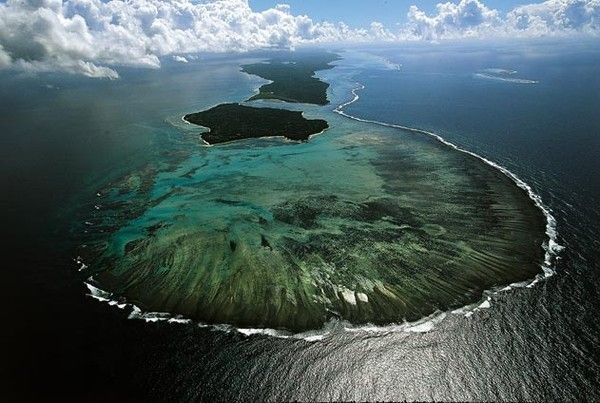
(5, 60)
(472, 18)
(465, 19)
(180, 59)
(557, 16)
(81, 35)
(95, 37)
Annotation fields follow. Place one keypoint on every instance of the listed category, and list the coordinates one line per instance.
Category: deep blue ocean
(532, 107)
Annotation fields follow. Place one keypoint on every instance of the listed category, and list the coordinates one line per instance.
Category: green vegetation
(229, 122)
(293, 77)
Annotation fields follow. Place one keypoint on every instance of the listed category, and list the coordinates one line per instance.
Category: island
(230, 122)
(292, 77)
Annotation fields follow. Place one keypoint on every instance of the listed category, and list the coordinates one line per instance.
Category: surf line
(551, 247)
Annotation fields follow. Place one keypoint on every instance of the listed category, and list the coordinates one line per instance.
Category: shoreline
(551, 246)
(271, 122)
(283, 139)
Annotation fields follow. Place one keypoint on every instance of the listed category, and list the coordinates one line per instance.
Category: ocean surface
(531, 107)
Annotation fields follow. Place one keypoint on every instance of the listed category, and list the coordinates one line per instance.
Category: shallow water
(538, 343)
(365, 223)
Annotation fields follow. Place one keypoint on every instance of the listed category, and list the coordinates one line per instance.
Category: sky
(362, 12)
(95, 37)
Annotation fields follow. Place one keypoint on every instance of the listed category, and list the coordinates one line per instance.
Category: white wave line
(551, 246)
(423, 325)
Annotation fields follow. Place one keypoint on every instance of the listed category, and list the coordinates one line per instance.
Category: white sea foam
(390, 65)
(500, 71)
(422, 325)
(505, 78)
(485, 304)
(79, 261)
(334, 326)
(551, 246)
(137, 313)
(427, 325)
(97, 293)
(151, 317)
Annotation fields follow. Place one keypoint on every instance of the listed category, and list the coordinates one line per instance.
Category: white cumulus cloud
(472, 18)
(467, 18)
(180, 59)
(84, 35)
(557, 16)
